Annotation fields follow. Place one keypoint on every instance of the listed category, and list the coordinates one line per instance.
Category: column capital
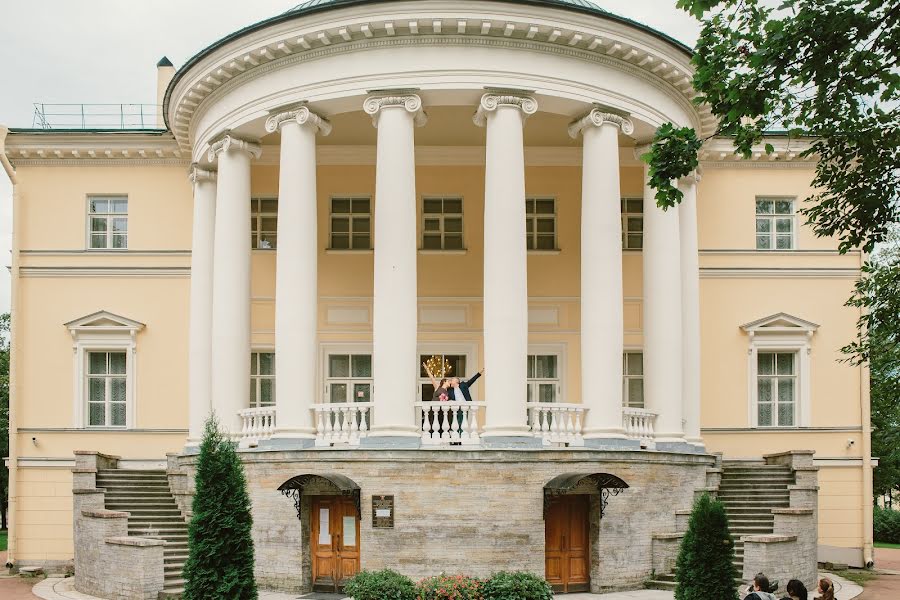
(598, 118)
(199, 174)
(494, 100)
(228, 142)
(693, 177)
(300, 115)
(412, 103)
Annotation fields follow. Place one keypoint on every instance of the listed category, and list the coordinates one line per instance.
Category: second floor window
(108, 222)
(263, 223)
(776, 380)
(107, 386)
(543, 378)
(774, 224)
(457, 364)
(348, 378)
(442, 224)
(632, 223)
(633, 370)
(262, 379)
(540, 223)
(351, 224)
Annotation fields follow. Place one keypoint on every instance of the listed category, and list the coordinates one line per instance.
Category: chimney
(165, 71)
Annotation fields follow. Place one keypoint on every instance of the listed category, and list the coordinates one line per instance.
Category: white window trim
(270, 349)
(103, 332)
(327, 348)
(773, 234)
(351, 215)
(470, 351)
(258, 216)
(624, 218)
(780, 332)
(87, 223)
(441, 217)
(632, 350)
(534, 217)
(560, 351)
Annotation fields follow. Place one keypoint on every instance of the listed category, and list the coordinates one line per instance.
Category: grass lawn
(887, 545)
(2, 540)
(858, 576)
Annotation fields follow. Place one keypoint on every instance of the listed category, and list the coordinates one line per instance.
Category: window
(262, 379)
(108, 222)
(776, 380)
(774, 224)
(107, 384)
(457, 368)
(633, 369)
(543, 378)
(540, 223)
(632, 223)
(263, 223)
(348, 378)
(442, 224)
(351, 224)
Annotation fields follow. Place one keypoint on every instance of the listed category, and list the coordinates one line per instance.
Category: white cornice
(4, 160)
(719, 153)
(778, 273)
(100, 272)
(108, 148)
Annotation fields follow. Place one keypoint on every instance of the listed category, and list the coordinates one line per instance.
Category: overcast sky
(105, 51)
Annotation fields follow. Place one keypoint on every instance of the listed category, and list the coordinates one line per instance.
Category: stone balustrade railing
(638, 423)
(452, 422)
(341, 422)
(557, 423)
(257, 424)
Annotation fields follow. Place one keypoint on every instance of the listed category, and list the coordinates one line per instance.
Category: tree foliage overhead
(822, 69)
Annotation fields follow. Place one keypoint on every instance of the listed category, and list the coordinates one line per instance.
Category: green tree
(4, 417)
(220, 549)
(826, 70)
(705, 569)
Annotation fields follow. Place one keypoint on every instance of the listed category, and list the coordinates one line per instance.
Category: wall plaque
(383, 512)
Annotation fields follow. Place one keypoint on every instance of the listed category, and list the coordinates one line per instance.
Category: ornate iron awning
(605, 484)
(293, 487)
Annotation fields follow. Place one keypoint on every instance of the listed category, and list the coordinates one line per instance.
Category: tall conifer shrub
(705, 569)
(220, 549)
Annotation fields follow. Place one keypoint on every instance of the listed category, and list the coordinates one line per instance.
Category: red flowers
(449, 587)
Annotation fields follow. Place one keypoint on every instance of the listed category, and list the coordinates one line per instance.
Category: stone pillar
(231, 280)
(395, 309)
(505, 267)
(662, 320)
(200, 344)
(602, 311)
(690, 309)
(296, 279)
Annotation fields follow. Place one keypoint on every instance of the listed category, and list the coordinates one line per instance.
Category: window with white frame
(262, 379)
(543, 378)
(456, 367)
(108, 222)
(632, 223)
(263, 223)
(776, 380)
(442, 223)
(775, 224)
(351, 223)
(633, 373)
(348, 377)
(540, 223)
(107, 382)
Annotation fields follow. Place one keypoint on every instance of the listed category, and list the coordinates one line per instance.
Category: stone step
(740, 497)
(171, 594)
(656, 584)
(165, 520)
(760, 485)
(144, 503)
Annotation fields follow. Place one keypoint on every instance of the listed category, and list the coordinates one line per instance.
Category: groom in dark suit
(462, 387)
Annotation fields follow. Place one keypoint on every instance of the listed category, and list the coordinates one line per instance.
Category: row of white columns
(220, 284)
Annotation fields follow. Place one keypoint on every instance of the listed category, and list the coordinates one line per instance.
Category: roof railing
(97, 116)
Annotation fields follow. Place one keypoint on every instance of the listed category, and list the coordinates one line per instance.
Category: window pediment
(780, 323)
(103, 321)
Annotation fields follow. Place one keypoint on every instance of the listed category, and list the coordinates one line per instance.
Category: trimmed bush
(705, 569)
(887, 525)
(449, 587)
(517, 585)
(380, 585)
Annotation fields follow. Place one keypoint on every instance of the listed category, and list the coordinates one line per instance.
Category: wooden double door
(334, 540)
(567, 552)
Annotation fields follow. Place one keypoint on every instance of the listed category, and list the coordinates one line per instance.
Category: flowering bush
(449, 587)
(380, 585)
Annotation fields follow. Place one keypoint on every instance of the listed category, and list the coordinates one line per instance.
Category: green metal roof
(309, 4)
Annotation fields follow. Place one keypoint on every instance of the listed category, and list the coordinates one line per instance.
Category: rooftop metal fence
(97, 116)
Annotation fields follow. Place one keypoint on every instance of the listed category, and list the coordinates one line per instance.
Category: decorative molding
(543, 315)
(793, 430)
(597, 118)
(768, 253)
(719, 152)
(102, 149)
(443, 315)
(492, 101)
(151, 272)
(347, 315)
(780, 323)
(300, 115)
(778, 273)
(106, 254)
(228, 143)
(412, 103)
(198, 175)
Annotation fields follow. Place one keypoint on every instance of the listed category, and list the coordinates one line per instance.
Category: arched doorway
(328, 506)
(570, 500)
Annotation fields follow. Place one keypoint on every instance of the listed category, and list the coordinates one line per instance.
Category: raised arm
(430, 376)
(475, 377)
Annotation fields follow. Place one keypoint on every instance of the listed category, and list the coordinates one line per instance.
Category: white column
(200, 343)
(296, 283)
(231, 281)
(395, 310)
(602, 311)
(662, 318)
(505, 264)
(690, 309)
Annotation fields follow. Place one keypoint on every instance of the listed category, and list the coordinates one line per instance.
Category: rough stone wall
(468, 511)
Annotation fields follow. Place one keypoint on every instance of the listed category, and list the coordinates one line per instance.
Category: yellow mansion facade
(336, 195)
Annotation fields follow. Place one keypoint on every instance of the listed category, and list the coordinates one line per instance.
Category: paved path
(16, 588)
(887, 559)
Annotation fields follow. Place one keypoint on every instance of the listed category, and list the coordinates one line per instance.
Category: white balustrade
(257, 424)
(638, 423)
(341, 422)
(557, 423)
(449, 422)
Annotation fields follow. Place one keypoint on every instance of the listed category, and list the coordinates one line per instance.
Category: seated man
(760, 589)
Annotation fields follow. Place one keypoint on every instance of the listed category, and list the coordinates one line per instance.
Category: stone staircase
(146, 496)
